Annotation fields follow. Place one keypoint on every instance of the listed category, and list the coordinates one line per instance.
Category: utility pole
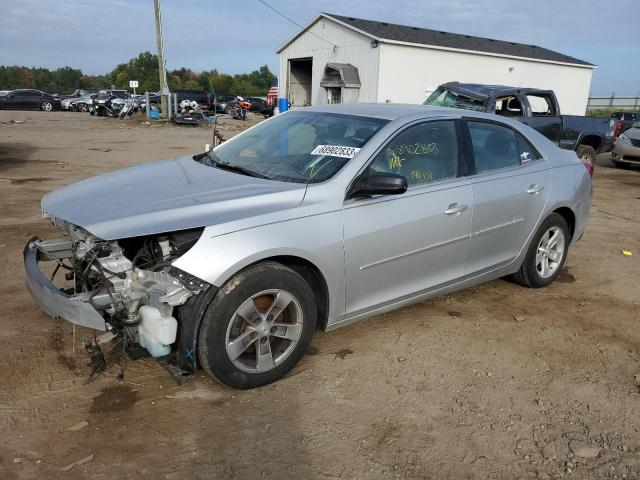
(164, 89)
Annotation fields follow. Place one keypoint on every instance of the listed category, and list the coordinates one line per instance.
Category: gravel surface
(496, 381)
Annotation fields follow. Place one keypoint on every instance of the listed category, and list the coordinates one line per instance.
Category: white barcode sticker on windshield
(335, 151)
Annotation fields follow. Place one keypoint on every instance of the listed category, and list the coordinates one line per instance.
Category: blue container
(283, 105)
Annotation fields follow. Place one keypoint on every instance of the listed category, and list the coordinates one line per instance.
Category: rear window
(443, 97)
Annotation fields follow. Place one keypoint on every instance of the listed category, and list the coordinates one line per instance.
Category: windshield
(444, 97)
(302, 147)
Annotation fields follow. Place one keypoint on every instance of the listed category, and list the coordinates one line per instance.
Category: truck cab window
(508, 107)
(540, 105)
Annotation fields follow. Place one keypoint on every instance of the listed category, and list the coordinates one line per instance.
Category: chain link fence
(613, 102)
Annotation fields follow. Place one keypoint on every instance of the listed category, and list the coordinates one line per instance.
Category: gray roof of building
(425, 36)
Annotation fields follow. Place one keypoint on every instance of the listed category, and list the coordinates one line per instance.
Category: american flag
(272, 95)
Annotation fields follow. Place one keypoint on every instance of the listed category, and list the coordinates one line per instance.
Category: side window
(494, 146)
(508, 107)
(423, 153)
(540, 105)
(526, 151)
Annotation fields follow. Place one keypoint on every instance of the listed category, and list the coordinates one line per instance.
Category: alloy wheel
(550, 252)
(46, 106)
(264, 331)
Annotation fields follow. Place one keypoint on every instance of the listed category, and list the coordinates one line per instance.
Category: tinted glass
(494, 147)
(424, 153)
(526, 151)
(303, 147)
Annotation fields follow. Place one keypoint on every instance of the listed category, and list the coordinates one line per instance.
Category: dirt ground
(496, 381)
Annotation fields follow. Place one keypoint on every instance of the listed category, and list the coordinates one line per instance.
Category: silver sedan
(314, 219)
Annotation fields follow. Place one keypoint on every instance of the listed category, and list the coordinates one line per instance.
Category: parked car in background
(77, 93)
(587, 136)
(28, 99)
(83, 103)
(199, 96)
(259, 105)
(220, 101)
(316, 218)
(116, 93)
(65, 103)
(626, 151)
(79, 104)
(626, 119)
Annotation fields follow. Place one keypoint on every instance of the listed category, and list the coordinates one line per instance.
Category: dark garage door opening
(300, 74)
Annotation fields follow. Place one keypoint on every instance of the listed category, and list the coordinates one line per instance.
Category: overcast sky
(240, 35)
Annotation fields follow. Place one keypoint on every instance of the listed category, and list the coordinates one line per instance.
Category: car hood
(633, 133)
(166, 196)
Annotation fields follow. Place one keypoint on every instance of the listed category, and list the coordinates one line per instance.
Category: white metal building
(348, 60)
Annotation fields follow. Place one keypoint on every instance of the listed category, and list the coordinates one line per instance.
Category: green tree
(144, 69)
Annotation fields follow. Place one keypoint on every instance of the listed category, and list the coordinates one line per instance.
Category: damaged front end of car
(127, 288)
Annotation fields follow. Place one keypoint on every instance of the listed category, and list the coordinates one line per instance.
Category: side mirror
(378, 183)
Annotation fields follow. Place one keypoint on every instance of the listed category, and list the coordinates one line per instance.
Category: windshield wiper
(238, 169)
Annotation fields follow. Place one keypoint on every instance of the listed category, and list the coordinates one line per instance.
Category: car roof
(387, 111)
(485, 91)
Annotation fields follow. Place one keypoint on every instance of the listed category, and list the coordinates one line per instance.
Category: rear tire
(543, 262)
(240, 343)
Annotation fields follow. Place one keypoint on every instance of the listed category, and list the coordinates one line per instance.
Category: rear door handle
(534, 189)
(456, 209)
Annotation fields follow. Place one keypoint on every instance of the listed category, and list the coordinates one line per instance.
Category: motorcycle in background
(239, 108)
(130, 105)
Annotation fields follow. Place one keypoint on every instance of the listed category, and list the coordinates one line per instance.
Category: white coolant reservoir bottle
(155, 332)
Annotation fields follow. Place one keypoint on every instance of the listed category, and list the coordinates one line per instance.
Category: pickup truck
(587, 136)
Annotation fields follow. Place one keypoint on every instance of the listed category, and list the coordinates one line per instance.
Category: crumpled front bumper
(54, 302)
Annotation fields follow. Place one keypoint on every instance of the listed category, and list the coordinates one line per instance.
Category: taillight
(618, 130)
(588, 165)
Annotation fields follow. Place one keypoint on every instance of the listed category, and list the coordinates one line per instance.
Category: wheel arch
(192, 312)
(569, 217)
(308, 270)
(591, 139)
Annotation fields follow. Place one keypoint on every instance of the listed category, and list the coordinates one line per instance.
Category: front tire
(46, 106)
(546, 254)
(258, 326)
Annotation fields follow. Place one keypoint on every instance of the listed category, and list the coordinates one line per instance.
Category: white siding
(408, 74)
(352, 48)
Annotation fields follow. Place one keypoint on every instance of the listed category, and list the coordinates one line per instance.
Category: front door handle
(456, 209)
(534, 189)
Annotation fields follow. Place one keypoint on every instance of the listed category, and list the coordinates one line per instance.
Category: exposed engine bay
(130, 283)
